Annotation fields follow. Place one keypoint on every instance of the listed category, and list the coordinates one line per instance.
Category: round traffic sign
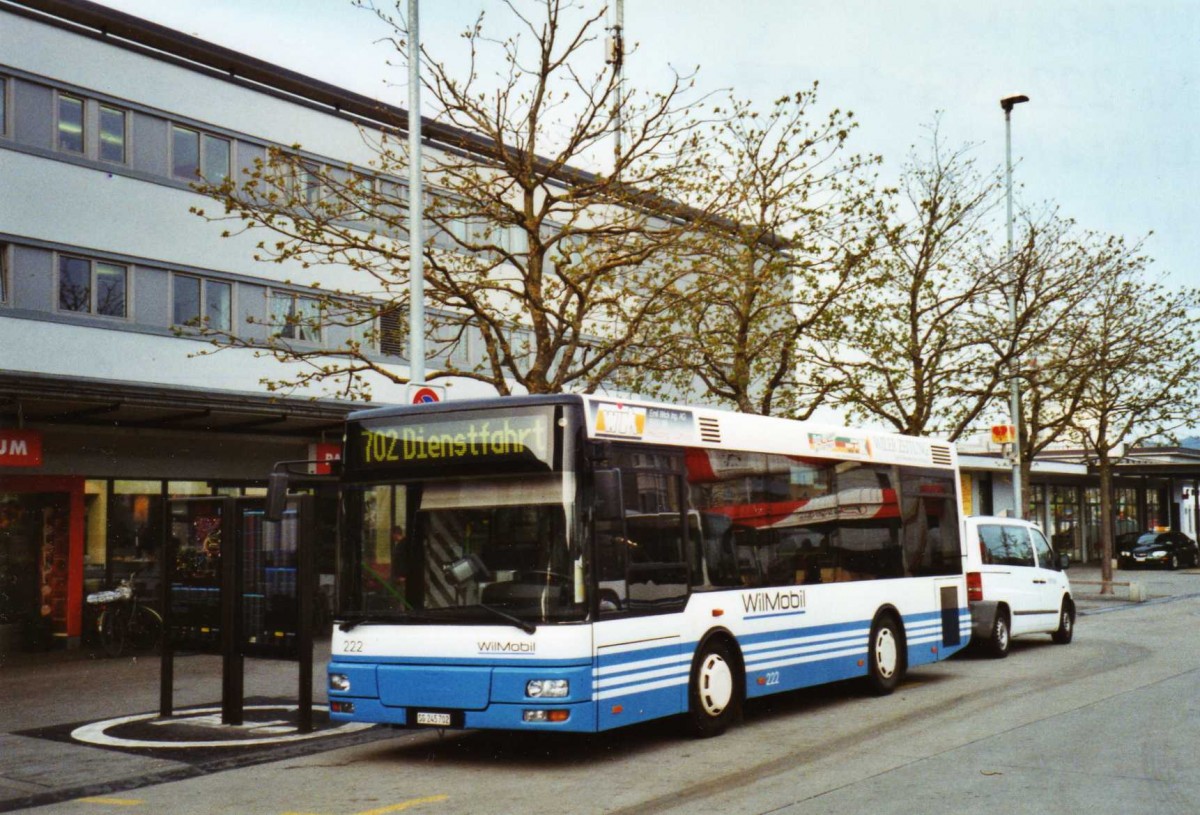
(425, 396)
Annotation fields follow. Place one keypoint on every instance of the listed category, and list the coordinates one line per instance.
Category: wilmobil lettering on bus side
(497, 647)
(762, 601)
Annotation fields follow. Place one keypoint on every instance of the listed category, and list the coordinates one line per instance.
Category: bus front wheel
(714, 693)
(885, 656)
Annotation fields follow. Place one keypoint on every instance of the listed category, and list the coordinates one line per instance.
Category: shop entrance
(38, 531)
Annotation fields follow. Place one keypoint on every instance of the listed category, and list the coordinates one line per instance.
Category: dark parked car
(1168, 549)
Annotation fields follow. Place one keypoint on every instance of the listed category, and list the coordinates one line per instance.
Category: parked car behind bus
(1167, 549)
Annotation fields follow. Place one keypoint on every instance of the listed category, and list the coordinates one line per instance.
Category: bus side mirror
(277, 492)
(609, 498)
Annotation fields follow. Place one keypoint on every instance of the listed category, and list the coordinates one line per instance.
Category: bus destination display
(520, 437)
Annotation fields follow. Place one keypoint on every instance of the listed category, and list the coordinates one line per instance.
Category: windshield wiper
(349, 622)
(352, 621)
(524, 625)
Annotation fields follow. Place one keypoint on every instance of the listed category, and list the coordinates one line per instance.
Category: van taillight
(974, 586)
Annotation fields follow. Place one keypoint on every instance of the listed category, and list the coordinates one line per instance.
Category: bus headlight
(339, 682)
(547, 688)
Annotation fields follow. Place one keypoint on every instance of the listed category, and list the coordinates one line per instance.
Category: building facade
(109, 404)
(1153, 488)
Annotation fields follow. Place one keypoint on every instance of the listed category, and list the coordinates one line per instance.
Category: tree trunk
(1026, 467)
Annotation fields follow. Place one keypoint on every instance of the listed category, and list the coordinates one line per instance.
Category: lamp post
(1008, 103)
(616, 58)
(416, 197)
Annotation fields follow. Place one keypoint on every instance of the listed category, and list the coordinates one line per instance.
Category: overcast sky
(1110, 133)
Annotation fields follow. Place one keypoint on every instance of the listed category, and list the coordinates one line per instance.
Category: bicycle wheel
(114, 629)
(145, 629)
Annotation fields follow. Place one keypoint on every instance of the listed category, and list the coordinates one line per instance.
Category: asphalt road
(1108, 724)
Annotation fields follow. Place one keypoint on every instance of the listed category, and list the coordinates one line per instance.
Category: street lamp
(416, 205)
(1008, 103)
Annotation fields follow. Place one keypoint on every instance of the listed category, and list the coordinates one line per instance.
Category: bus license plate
(431, 719)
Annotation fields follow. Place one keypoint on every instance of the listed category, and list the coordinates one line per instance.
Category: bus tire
(714, 691)
(1066, 623)
(885, 655)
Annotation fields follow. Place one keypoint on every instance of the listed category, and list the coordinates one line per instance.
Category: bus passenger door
(641, 571)
(641, 533)
(610, 542)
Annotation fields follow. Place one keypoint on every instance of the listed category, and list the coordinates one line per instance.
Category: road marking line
(432, 799)
(116, 802)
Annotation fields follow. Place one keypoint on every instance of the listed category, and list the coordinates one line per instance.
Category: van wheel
(1001, 638)
(1066, 624)
(885, 656)
(714, 693)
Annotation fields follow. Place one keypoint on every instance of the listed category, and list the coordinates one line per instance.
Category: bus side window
(612, 559)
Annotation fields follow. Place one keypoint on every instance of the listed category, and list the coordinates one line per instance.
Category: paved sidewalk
(47, 697)
(1155, 586)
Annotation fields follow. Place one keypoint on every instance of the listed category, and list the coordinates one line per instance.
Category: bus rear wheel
(714, 693)
(885, 656)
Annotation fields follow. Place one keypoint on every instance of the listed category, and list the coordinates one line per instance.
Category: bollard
(1137, 592)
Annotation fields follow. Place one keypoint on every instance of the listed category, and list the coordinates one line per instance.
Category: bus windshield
(464, 550)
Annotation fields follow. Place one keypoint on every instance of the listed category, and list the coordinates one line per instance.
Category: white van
(1015, 584)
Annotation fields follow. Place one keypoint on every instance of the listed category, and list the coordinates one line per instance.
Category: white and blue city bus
(576, 563)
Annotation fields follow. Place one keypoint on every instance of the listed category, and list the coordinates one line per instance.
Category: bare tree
(780, 265)
(1052, 274)
(555, 272)
(915, 355)
(1138, 344)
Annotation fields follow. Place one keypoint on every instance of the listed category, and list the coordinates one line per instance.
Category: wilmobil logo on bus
(763, 601)
(497, 647)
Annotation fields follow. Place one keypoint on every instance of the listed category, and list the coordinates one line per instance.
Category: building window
(185, 153)
(196, 154)
(201, 302)
(216, 157)
(92, 287)
(296, 318)
(392, 334)
(3, 106)
(112, 134)
(70, 124)
(1125, 505)
(3, 274)
(310, 188)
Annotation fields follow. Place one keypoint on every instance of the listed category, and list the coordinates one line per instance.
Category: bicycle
(124, 623)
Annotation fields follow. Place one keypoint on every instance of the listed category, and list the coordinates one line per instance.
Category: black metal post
(305, 595)
(1196, 494)
(166, 670)
(232, 663)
